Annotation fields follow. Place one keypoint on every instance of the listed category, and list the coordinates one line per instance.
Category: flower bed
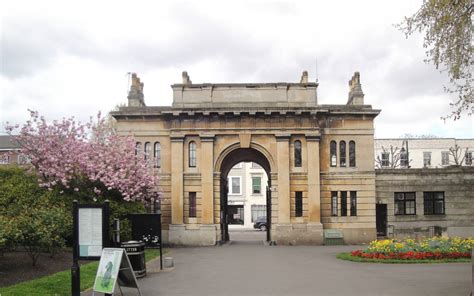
(437, 248)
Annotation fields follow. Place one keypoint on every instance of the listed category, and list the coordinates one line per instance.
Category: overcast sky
(70, 58)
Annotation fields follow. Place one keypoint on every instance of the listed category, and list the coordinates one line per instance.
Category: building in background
(248, 183)
(9, 152)
(423, 152)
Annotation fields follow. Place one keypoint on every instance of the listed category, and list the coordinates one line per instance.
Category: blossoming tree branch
(68, 154)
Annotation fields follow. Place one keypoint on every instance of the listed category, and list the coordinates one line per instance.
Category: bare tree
(390, 158)
(458, 154)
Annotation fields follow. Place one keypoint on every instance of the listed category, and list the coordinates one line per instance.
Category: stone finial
(186, 79)
(135, 95)
(304, 77)
(356, 95)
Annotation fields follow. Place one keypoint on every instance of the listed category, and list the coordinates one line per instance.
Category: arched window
(332, 153)
(352, 154)
(192, 154)
(147, 150)
(157, 154)
(297, 153)
(342, 153)
(138, 147)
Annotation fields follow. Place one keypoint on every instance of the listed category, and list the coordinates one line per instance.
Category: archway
(235, 156)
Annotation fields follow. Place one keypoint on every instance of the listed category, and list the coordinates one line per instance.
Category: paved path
(250, 268)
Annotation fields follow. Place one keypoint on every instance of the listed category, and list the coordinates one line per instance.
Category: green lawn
(60, 283)
(349, 257)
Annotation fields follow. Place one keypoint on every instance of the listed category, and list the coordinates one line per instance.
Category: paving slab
(252, 268)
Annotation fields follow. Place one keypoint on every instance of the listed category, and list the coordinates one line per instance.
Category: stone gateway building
(319, 159)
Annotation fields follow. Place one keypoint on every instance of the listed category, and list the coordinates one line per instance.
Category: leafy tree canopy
(448, 27)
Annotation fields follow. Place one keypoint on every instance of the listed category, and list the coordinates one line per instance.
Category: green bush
(31, 217)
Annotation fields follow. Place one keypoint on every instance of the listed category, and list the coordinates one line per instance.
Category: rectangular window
(4, 159)
(444, 158)
(192, 204)
(353, 203)
(405, 203)
(258, 211)
(343, 203)
(385, 160)
(298, 204)
(334, 203)
(235, 185)
(468, 158)
(426, 159)
(433, 203)
(404, 159)
(256, 185)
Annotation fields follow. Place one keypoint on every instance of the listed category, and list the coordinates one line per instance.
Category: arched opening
(230, 212)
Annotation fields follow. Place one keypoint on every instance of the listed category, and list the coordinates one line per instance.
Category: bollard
(169, 262)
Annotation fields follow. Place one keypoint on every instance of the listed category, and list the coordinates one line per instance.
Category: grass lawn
(349, 257)
(60, 283)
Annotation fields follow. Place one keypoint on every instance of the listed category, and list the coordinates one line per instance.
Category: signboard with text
(90, 232)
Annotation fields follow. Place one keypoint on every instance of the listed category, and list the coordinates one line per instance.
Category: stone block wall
(457, 183)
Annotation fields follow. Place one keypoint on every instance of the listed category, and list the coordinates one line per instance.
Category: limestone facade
(211, 127)
(453, 213)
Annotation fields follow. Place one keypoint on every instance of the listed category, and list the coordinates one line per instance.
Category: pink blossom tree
(70, 155)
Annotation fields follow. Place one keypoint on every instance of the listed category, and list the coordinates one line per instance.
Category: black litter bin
(136, 255)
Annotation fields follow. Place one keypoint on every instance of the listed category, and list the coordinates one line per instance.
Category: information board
(90, 232)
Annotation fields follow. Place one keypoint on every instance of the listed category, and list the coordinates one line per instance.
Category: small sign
(108, 270)
(114, 266)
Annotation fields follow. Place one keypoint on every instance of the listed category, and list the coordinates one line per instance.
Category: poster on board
(107, 272)
(90, 232)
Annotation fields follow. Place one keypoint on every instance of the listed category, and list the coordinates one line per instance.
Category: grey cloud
(28, 47)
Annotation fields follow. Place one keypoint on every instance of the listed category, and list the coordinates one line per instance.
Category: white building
(247, 183)
(423, 152)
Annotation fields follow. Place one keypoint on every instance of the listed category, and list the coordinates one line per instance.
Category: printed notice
(90, 232)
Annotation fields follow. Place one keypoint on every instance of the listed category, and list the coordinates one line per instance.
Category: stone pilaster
(314, 187)
(207, 179)
(283, 162)
(177, 186)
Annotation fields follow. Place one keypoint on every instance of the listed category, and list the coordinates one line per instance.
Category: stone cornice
(160, 111)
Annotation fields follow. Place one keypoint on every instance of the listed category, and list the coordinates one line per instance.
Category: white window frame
(5, 159)
(443, 155)
(261, 179)
(229, 180)
(468, 158)
(426, 159)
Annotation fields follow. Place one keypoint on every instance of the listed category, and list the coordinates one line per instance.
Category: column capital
(177, 138)
(282, 137)
(313, 137)
(207, 138)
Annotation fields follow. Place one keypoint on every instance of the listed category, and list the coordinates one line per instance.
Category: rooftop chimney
(186, 79)
(135, 95)
(304, 77)
(356, 96)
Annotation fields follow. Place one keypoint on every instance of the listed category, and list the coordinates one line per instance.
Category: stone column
(177, 187)
(314, 188)
(283, 162)
(207, 179)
